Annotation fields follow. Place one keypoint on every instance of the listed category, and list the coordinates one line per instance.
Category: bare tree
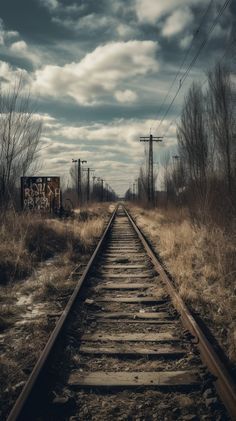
(193, 145)
(221, 109)
(19, 138)
(143, 185)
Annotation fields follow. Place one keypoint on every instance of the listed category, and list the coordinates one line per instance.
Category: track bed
(123, 353)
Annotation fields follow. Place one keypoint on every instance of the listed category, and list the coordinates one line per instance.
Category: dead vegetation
(27, 239)
(37, 259)
(202, 261)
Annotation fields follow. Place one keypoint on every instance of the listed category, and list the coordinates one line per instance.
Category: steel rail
(37, 370)
(224, 382)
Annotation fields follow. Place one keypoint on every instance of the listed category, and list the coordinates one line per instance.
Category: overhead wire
(226, 52)
(196, 34)
(193, 61)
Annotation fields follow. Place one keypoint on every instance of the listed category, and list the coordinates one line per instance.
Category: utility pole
(107, 191)
(176, 178)
(139, 188)
(79, 178)
(150, 139)
(89, 170)
(102, 181)
(93, 195)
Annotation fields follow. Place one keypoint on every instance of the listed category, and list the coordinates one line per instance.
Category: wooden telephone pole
(79, 178)
(102, 181)
(89, 170)
(150, 139)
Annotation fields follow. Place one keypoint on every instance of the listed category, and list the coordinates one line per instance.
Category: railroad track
(121, 351)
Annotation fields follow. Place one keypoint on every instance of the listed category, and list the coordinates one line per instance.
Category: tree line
(202, 174)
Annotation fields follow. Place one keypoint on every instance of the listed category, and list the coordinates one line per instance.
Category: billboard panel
(41, 193)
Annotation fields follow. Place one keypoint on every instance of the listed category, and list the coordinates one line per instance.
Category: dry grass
(46, 251)
(202, 262)
(26, 239)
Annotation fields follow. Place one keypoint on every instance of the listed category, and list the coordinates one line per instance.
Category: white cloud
(90, 21)
(47, 119)
(50, 4)
(11, 34)
(5, 35)
(9, 76)
(185, 41)
(98, 144)
(126, 31)
(152, 11)
(126, 96)
(99, 73)
(55, 6)
(96, 22)
(220, 32)
(19, 47)
(177, 22)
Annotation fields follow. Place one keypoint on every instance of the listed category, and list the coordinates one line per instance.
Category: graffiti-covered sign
(41, 193)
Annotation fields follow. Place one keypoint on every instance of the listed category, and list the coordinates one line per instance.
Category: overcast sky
(100, 71)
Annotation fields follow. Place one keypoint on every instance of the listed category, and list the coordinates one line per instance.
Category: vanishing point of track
(126, 346)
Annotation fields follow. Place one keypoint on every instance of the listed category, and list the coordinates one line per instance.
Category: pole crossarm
(153, 138)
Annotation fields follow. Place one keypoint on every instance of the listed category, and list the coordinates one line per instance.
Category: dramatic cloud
(150, 11)
(186, 41)
(50, 4)
(5, 35)
(114, 145)
(177, 22)
(99, 73)
(19, 47)
(8, 75)
(126, 96)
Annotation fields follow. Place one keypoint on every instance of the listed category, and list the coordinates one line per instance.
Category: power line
(206, 39)
(227, 50)
(193, 61)
(196, 34)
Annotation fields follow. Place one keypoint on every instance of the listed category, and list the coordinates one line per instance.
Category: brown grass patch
(203, 264)
(27, 239)
(29, 308)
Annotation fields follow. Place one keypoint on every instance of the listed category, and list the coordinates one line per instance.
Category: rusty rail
(26, 391)
(224, 382)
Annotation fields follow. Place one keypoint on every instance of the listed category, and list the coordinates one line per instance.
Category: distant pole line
(88, 170)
